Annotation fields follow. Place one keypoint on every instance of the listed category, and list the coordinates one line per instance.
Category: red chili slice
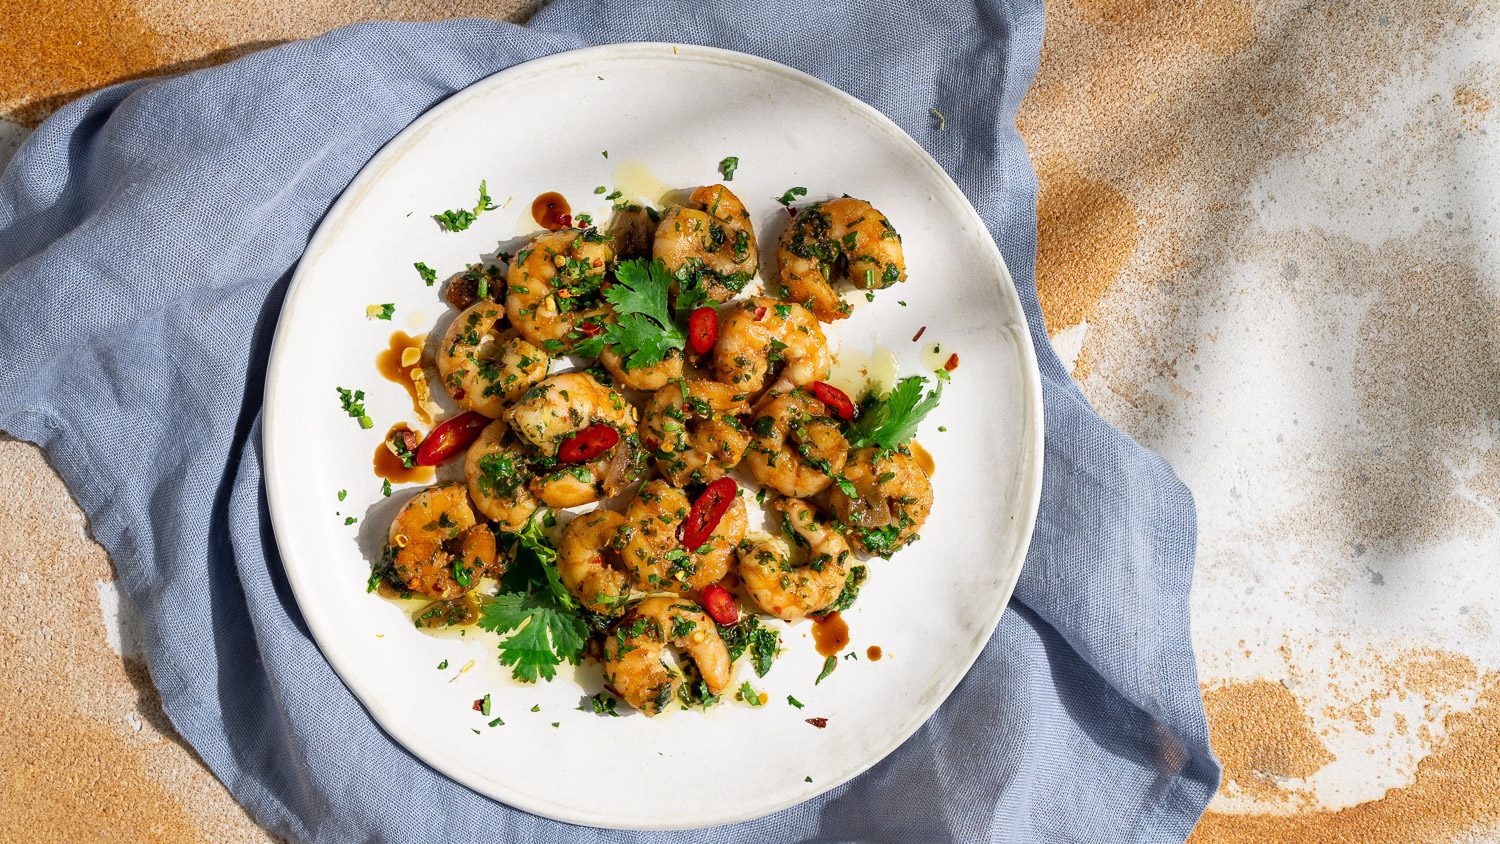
(588, 443)
(703, 329)
(707, 511)
(836, 399)
(590, 329)
(760, 313)
(450, 438)
(718, 603)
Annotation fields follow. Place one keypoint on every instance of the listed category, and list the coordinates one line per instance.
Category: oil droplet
(634, 180)
(401, 363)
(831, 634)
(872, 653)
(551, 211)
(934, 355)
(859, 373)
(923, 458)
(388, 465)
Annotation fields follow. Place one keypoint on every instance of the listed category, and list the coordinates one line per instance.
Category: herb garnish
(728, 166)
(791, 196)
(353, 402)
(537, 618)
(428, 274)
(457, 221)
(644, 332)
(891, 421)
(828, 665)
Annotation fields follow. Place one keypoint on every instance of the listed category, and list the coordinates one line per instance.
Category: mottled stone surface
(1268, 247)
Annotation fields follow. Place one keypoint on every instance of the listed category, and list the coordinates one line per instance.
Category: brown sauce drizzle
(552, 211)
(831, 633)
(388, 363)
(923, 458)
(388, 465)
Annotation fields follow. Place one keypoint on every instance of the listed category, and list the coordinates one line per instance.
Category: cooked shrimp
(589, 562)
(798, 448)
(893, 500)
(710, 242)
(552, 292)
(632, 229)
(843, 237)
(561, 407)
(437, 547)
(791, 590)
(694, 430)
(633, 652)
(646, 378)
(483, 365)
(497, 475)
(651, 549)
(763, 334)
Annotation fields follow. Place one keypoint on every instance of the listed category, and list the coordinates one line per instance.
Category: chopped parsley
(728, 166)
(353, 402)
(385, 311)
(793, 701)
(891, 421)
(748, 694)
(828, 665)
(644, 332)
(791, 196)
(603, 704)
(497, 722)
(747, 634)
(442, 665)
(343, 493)
(385, 487)
(462, 218)
(349, 520)
(428, 274)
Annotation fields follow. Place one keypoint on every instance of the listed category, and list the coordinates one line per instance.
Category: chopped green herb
(747, 694)
(385, 311)
(349, 520)
(556, 723)
(537, 617)
(793, 701)
(728, 166)
(600, 189)
(828, 665)
(791, 196)
(343, 493)
(536, 707)
(497, 722)
(457, 221)
(428, 274)
(484, 705)
(385, 487)
(442, 665)
(602, 703)
(353, 402)
(809, 779)
(605, 153)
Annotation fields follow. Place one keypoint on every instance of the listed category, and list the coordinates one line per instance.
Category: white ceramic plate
(675, 111)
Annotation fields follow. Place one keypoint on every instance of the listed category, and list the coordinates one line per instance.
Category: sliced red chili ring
(719, 604)
(590, 328)
(588, 443)
(837, 400)
(952, 363)
(703, 329)
(760, 313)
(450, 438)
(706, 512)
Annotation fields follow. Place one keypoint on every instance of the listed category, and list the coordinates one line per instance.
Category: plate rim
(1031, 448)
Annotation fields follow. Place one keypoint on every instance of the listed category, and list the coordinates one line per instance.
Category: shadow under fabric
(133, 349)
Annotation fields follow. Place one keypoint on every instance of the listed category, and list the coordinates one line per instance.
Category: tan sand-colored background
(1267, 246)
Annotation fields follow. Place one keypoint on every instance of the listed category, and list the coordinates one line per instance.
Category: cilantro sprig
(891, 421)
(644, 332)
(460, 219)
(537, 618)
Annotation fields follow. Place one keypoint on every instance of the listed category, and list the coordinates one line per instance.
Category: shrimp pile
(659, 432)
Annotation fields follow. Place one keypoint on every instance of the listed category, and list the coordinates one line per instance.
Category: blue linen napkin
(147, 233)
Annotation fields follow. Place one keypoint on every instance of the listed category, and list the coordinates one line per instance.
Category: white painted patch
(122, 627)
(1068, 344)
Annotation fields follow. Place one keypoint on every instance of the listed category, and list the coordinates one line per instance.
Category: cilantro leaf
(891, 421)
(728, 166)
(428, 274)
(534, 566)
(644, 332)
(541, 635)
(791, 196)
(748, 634)
(460, 219)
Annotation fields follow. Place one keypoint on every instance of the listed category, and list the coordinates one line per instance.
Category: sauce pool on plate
(552, 211)
(831, 634)
(389, 466)
(401, 363)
